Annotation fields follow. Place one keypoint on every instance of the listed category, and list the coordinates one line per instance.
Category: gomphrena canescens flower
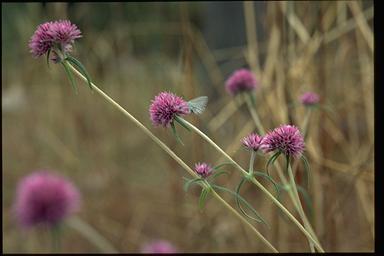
(241, 80)
(252, 141)
(159, 246)
(286, 138)
(61, 34)
(203, 169)
(44, 198)
(165, 107)
(309, 98)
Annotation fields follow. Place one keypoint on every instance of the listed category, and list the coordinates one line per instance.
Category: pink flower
(252, 141)
(48, 35)
(286, 138)
(43, 197)
(309, 98)
(241, 80)
(165, 107)
(159, 246)
(203, 169)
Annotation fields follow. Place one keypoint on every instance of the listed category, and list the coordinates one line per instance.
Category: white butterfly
(198, 105)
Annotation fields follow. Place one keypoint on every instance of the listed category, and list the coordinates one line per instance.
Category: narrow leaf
(272, 160)
(221, 165)
(307, 200)
(70, 76)
(269, 178)
(203, 198)
(48, 53)
(181, 122)
(307, 170)
(80, 68)
(217, 174)
(190, 182)
(175, 133)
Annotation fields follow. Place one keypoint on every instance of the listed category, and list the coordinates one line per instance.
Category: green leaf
(80, 68)
(217, 174)
(307, 200)
(269, 178)
(221, 165)
(175, 134)
(70, 76)
(48, 53)
(241, 199)
(181, 122)
(272, 160)
(203, 197)
(307, 169)
(190, 182)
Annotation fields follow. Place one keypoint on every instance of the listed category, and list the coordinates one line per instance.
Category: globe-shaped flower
(57, 35)
(159, 246)
(287, 139)
(309, 98)
(252, 141)
(241, 80)
(203, 169)
(165, 107)
(44, 198)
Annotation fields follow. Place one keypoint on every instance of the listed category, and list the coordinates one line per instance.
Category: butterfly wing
(198, 105)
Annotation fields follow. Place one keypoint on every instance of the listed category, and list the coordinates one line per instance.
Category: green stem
(253, 180)
(251, 163)
(55, 237)
(284, 180)
(306, 122)
(173, 155)
(294, 188)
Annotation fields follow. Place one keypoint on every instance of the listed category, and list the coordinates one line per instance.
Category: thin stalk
(284, 180)
(251, 163)
(294, 188)
(254, 115)
(253, 180)
(173, 155)
(306, 122)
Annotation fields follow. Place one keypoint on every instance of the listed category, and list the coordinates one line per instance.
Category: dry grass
(132, 191)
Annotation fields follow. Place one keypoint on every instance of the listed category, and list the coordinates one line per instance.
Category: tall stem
(174, 156)
(253, 180)
(251, 163)
(294, 188)
(283, 179)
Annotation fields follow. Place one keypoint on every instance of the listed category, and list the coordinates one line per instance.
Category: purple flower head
(60, 33)
(309, 98)
(286, 138)
(240, 81)
(252, 141)
(203, 169)
(165, 107)
(43, 197)
(159, 246)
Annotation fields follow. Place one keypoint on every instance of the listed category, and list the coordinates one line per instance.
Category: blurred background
(132, 190)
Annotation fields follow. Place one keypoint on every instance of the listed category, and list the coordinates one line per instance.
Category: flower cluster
(57, 35)
(252, 141)
(43, 197)
(309, 98)
(285, 138)
(241, 80)
(203, 169)
(159, 246)
(165, 107)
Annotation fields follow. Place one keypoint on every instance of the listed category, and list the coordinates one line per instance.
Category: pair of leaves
(78, 66)
(204, 192)
(180, 121)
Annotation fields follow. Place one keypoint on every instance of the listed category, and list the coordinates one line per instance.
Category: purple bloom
(203, 169)
(60, 33)
(309, 98)
(240, 81)
(252, 141)
(159, 246)
(286, 138)
(165, 107)
(43, 197)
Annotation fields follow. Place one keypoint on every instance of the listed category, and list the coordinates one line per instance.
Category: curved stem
(253, 180)
(173, 155)
(283, 179)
